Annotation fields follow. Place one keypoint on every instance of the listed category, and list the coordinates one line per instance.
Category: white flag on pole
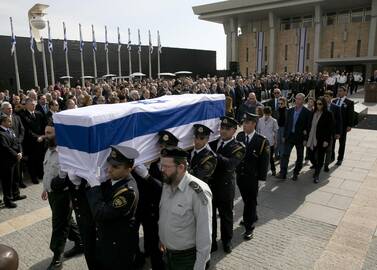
(106, 42)
(31, 40)
(50, 47)
(94, 43)
(119, 42)
(129, 40)
(81, 41)
(138, 34)
(150, 42)
(13, 38)
(159, 42)
(65, 42)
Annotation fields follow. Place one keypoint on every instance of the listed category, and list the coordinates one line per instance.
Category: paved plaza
(302, 225)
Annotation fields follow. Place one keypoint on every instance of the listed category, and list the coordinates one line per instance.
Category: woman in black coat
(320, 135)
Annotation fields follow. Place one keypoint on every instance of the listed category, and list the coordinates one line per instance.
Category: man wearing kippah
(185, 214)
(113, 204)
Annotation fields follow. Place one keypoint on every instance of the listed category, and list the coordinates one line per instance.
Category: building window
(265, 54)
(247, 72)
(344, 17)
(296, 22)
(307, 21)
(285, 24)
(286, 52)
(247, 54)
(285, 69)
(367, 15)
(357, 15)
(358, 48)
(332, 50)
(330, 18)
(307, 51)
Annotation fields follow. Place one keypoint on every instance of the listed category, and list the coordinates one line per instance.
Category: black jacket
(347, 112)
(9, 148)
(203, 164)
(325, 128)
(302, 126)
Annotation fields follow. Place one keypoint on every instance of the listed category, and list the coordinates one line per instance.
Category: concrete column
(317, 36)
(372, 36)
(234, 39)
(271, 46)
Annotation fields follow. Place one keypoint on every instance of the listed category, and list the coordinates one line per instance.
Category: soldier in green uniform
(251, 170)
(113, 204)
(202, 160)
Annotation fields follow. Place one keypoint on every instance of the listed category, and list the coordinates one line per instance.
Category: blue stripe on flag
(99, 137)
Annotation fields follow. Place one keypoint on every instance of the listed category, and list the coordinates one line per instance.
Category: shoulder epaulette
(198, 190)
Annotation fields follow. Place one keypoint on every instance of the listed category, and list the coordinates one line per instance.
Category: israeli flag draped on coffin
(84, 135)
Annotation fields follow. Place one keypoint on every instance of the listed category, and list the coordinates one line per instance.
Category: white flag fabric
(31, 40)
(138, 34)
(81, 41)
(150, 42)
(84, 135)
(106, 42)
(94, 43)
(13, 38)
(129, 40)
(159, 42)
(119, 41)
(50, 46)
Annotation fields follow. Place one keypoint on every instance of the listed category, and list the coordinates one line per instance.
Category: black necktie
(247, 140)
(194, 156)
(221, 147)
(32, 115)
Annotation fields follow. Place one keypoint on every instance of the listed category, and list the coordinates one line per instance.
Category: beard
(51, 142)
(170, 179)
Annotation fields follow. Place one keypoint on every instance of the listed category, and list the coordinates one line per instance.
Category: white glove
(141, 170)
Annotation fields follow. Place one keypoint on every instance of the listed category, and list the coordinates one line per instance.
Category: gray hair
(5, 105)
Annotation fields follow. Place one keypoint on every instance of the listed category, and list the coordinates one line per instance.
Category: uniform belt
(181, 252)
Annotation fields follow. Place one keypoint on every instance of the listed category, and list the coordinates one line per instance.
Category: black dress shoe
(214, 246)
(22, 185)
(294, 177)
(227, 248)
(339, 162)
(316, 179)
(10, 205)
(326, 168)
(281, 176)
(19, 198)
(55, 265)
(248, 234)
(76, 250)
(273, 173)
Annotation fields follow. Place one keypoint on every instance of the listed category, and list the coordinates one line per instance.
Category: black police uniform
(113, 208)
(253, 168)
(202, 163)
(83, 214)
(222, 185)
(150, 190)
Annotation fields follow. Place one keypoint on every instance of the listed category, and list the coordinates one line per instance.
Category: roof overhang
(253, 9)
(348, 60)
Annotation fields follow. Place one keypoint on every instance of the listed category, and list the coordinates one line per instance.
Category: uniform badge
(165, 138)
(200, 129)
(113, 154)
(119, 202)
(225, 121)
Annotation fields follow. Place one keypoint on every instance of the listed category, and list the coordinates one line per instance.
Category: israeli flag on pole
(13, 38)
(106, 42)
(65, 42)
(84, 135)
(119, 42)
(81, 41)
(138, 34)
(94, 43)
(159, 42)
(50, 47)
(31, 40)
(150, 42)
(129, 40)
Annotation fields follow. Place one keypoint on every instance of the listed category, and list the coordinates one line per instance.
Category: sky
(178, 25)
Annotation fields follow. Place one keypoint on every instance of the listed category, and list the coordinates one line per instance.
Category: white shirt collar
(251, 135)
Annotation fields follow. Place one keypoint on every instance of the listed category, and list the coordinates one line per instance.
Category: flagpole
(50, 52)
(129, 52)
(158, 54)
(94, 45)
(139, 50)
(13, 51)
(81, 58)
(66, 55)
(44, 63)
(119, 61)
(33, 58)
(150, 55)
(107, 52)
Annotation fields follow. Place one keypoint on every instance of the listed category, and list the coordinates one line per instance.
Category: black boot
(76, 250)
(56, 262)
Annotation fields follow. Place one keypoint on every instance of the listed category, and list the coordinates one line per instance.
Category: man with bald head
(249, 106)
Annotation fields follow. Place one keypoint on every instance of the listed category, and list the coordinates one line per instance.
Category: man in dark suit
(253, 168)
(297, 127)
(274, 103)
(42, 106)
(34, 124)
(19, 131)
(335, 110)
(10, 151)
(347, 113)
(229, 154)
(202, 160)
